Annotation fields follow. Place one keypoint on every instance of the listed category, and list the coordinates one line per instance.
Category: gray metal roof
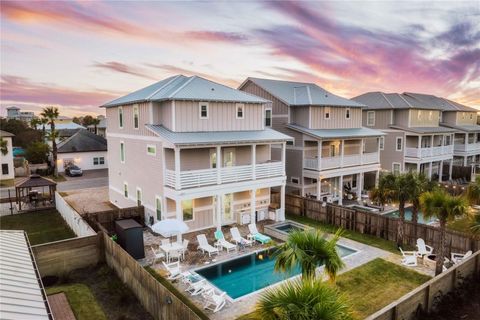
(424, 129)
(440, 103)
(181, 87)
(83, 141)
(465, 128)
(301, 93)
(338, 133)
(21, 293)
(214, 137)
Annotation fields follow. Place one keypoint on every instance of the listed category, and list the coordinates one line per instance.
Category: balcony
(470, 147)
(206, 177)
(428, 152)
(340, 162)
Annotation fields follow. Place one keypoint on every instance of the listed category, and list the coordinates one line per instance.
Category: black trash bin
(130, 237)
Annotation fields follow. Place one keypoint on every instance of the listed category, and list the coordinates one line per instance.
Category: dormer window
(326, 114)
(203, 110)
(240, 110)
(347, 113)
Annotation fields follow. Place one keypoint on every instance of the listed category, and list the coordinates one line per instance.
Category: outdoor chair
(157, 254)
(165, 242)
(204, 246)
(174, 269)
(458, 257)
(185, 248)
(423, 249)
(238, 239)
(213, 300)
(196, 288)
(252, 227)
(409, 258)
(224, 243)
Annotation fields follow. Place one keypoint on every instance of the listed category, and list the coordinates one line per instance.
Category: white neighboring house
(8, 171)
(84, 149)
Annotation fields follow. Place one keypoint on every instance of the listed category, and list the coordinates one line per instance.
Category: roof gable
(83, 141)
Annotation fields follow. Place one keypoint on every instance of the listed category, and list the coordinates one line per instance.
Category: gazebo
(31, 192)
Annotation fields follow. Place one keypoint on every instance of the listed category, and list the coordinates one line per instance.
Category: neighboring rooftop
(301, 93)
(13, 108)
(181, 87)
(101, 125)
(422, 130)
(337, 133)
(465, 128)
(34, 181)
(65, 133)
(21, 291)
(212, 137)
(6, 134)
(83, 141)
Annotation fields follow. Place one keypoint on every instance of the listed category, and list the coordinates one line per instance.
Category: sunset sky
(79, 55)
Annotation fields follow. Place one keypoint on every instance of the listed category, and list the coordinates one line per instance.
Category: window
(139, 196)
(268, 117)
(399, 144)
(125, 190)
(4, 168)
(98, 160)
(135, 117)
(347, 113)
(151, 150)
(122, 152)
(203, 110)
(290, 143)
(295, 180)
(370, 118)
(396, 168)
(420, 115)
(240, 110)
(101, 160)
(187, 208)
(120, 117)
(326, 113)
(382, 143)
(158, 207)
(354, 181)
(332, 150)
(213, 159)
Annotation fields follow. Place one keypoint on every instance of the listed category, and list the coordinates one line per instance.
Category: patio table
(175, 246)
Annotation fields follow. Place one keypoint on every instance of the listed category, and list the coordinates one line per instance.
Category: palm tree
(95, 123)
(382, 194)
(418, 184)
(35, 122)
(309, 249)
(444, 207)
(3, 146)
(51, 114)
(475, 225)
(43, 121)
(302, 300)
(473, 191)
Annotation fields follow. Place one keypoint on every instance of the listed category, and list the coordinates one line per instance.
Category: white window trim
(265, 117)
(121, 123)
(141, 195)
(293, 178)
(396, 143)
(237, 106)
(200, 104)
(124, 153)
(136, 111)
(373, 119)
(154, 147)
(325, 113)
(161, 207)
(125, 184)
(399, 169)
(348, 112)
(382, 143)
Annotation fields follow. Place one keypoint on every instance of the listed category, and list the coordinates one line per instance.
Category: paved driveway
(90, 179)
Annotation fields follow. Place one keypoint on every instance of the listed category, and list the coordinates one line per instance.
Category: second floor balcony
(426, 152)
(427, 146)
(341, 162)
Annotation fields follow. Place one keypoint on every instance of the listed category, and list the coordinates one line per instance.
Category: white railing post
(342, 149)
(254, 161)
(219, 164)
(319, 155)
(419, 147)
(177, 169)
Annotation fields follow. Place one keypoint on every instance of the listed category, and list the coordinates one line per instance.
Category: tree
(95, 123)
(381, 194)
(77, 120)
(35, 122)
(444, 207)
(309, 249)
(473, 191)
(37, 152)
(43, 122)
(51, 113)
(3, 146)
(24, 135)
(418, 184)
(87, 120)
(302, 300)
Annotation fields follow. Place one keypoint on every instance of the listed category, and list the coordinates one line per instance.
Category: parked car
(73, 171)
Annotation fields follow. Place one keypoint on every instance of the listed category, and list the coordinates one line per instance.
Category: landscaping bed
(41, 226)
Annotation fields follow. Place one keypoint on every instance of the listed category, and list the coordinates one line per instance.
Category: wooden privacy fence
(376, 224)
(105, 220)
(156, 299)
(425, 297)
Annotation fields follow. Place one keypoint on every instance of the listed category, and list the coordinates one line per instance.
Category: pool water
(247, 274)
(408, 216)
(288, 228)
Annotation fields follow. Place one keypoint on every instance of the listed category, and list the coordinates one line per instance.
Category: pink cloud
(124, 68)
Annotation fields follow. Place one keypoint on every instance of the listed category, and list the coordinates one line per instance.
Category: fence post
(427, 299)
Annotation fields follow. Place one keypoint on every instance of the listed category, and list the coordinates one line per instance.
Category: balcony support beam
(253, 205)
(282, 204)
(340, 189)
(342, 149)
(177, 168)
(179, 215)
(359, 186)
(450, 170)
(254, 161)
(319, 154)
(430, 170)
(218, 211)
(219, 164)
(440, 171)
(283, 155)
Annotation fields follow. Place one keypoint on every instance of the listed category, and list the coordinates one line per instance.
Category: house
(14, 112)
(415, 140)
(84, 149)
(332, 156)
(195, 150)
(8, 171)
(101, 127)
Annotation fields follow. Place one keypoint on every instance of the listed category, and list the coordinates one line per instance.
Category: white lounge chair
(409, 258)
(174, 269)
(237, 237)
(213, 301)
(165, 242)
(458, 257)
(185, 248)
(423, 249)
(252, 227)
(157, 254)
(224, 243)
(205, 246)
(196, 288)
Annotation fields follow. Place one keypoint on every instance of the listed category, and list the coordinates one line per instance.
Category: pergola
(26, 190)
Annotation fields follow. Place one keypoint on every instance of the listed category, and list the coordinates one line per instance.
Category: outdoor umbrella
(170, 227)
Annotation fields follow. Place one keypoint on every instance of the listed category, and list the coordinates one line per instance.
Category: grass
(41, 226)
(376, 284)
(356, 236)
(177, 293)
(6, 183)
(81, 300)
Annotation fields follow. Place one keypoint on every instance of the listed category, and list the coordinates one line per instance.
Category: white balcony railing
(340, 162)
(205, 177)
(467, 147)
(428, 152)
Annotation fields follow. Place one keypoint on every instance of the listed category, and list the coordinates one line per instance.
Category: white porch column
(377, 178)
(419, 149)
(218, 211)
(254, 161)
(465, 161)
(179, 215)
(359, 185)
(253, 205)
(177, 169)
(418, 167)
(440, 171)
(340, 188)
(342, 148)
(361, 150)
(219, 164)
(319, 188)
(430, 170)
(378, 147)
(282, 204)
(319, 154)
(466, 139)
(450, 169)
(283, 156)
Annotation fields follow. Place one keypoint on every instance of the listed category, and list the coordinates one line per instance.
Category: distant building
(8, 171)
(15, 113)
(101, 127)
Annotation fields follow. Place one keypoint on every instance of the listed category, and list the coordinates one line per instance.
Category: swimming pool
(408, 216)
(252, 272)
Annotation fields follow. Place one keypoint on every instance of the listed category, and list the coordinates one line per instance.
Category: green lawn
(41, 226)
(376, 284)
(81, 300)
(357, 236)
